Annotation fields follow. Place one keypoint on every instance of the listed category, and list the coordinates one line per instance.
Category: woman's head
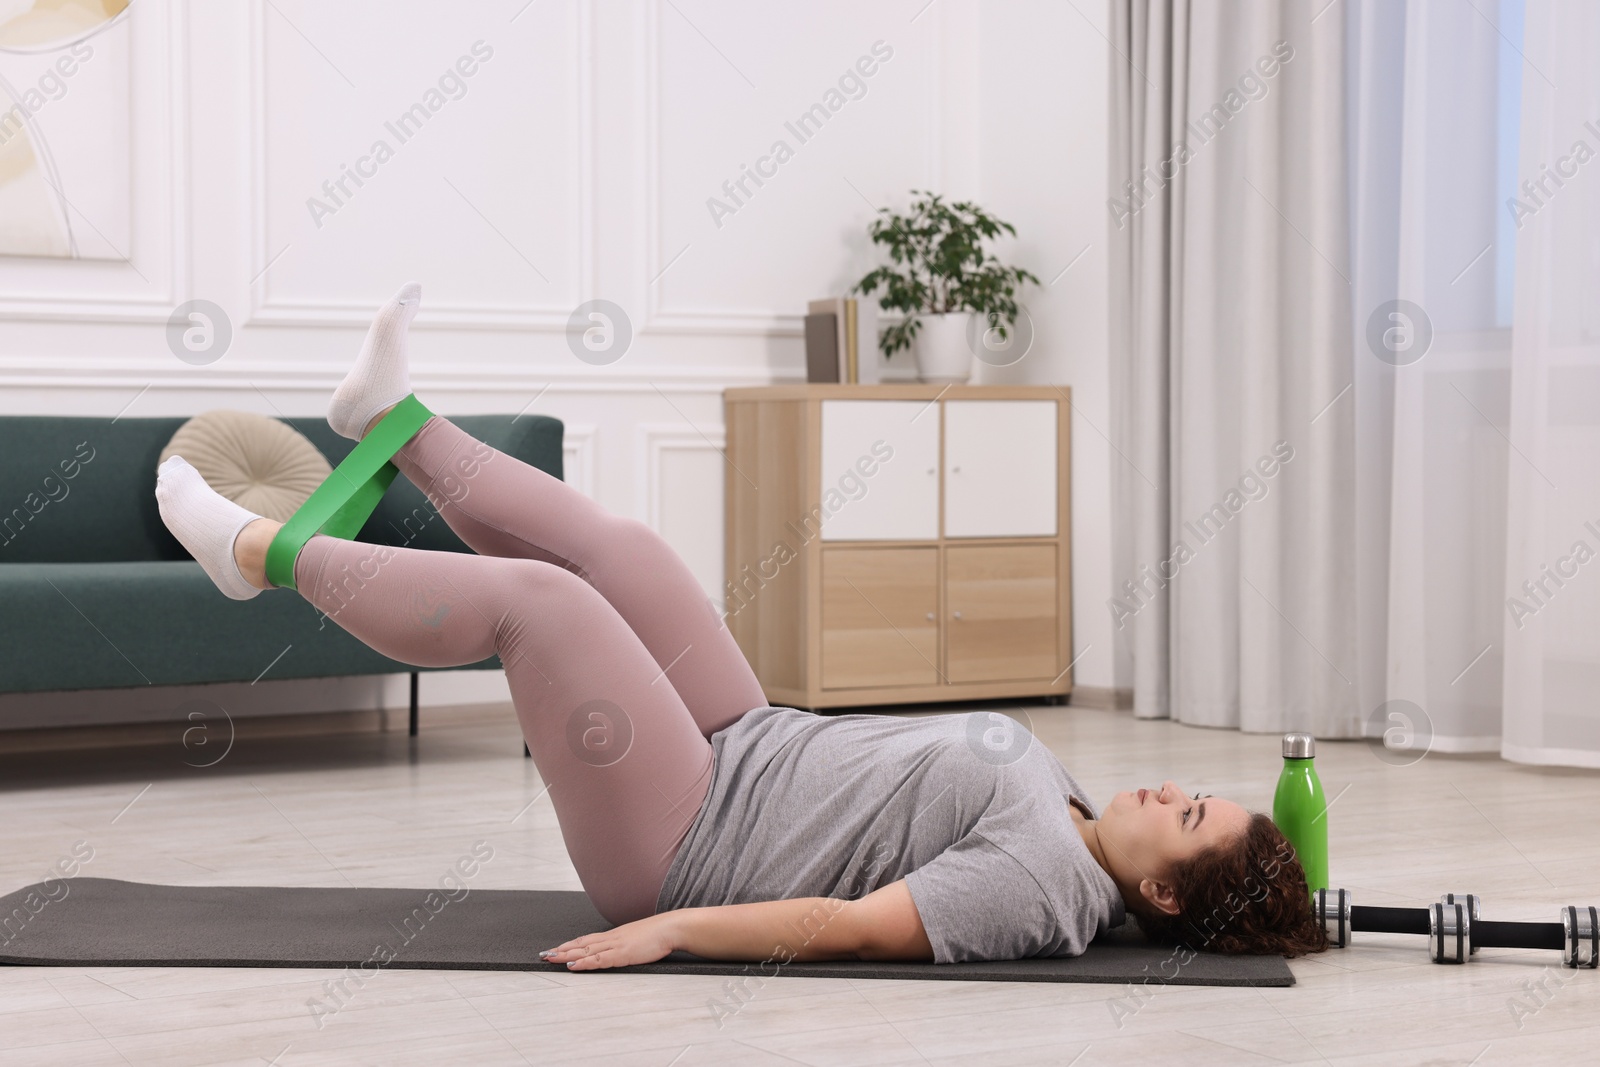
(1208, 873)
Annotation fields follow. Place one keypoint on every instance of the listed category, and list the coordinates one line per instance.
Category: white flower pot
(941, 347)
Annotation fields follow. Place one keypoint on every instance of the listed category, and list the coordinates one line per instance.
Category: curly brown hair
(1243, 896)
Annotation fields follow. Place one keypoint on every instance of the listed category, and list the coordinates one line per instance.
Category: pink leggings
(620, 667)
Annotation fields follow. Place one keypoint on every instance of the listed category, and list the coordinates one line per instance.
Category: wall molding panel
(155, 278)
(269, 310)
(241, 376)
(660, 259)
(579, 446)
(651, 442)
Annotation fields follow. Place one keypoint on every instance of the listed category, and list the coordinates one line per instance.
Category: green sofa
(96, 593)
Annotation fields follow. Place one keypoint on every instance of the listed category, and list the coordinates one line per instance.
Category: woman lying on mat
(698, 816)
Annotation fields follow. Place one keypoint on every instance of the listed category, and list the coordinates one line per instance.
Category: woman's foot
(228, 541)
(250, 551)
(381, 376)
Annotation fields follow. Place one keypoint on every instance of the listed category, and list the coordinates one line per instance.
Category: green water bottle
(1300, 809)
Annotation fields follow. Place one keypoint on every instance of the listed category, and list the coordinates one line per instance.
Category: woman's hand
(883, 925)
(644, 941)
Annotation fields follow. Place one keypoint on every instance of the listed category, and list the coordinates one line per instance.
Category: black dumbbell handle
(1489, 934)
(1486, 933)
(1369, 919)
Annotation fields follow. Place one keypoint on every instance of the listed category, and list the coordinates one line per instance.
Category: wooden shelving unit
(893, 544)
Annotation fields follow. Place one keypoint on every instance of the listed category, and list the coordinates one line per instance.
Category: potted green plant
(940, 276)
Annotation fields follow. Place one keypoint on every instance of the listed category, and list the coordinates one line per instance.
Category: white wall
(577, 164)
(1043, 145)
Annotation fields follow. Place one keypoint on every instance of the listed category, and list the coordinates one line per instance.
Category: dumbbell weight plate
(1471, 901)
(1333, 910)
(1581, 937)
(1449, 933)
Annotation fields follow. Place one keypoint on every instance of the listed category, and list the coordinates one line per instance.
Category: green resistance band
(343, 502)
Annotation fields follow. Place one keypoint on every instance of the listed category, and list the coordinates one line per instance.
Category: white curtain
(1551, 702)
(1236, 577)
(1493, 621)
(1438, 558)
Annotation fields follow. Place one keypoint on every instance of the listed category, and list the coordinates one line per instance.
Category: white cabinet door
(1000, 468)
(880, 471)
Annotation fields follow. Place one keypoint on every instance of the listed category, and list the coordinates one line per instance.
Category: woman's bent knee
(541, 584)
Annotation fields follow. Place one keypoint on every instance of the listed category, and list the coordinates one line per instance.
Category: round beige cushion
(261, 464)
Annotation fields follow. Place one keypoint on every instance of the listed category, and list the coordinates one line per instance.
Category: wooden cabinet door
(1000, 468)
(880, 470)
(1001, 612)
(880, 623)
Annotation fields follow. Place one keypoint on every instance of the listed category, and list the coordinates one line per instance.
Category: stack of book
(842, 341)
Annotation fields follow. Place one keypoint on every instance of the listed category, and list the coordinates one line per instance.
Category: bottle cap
(1299, 745)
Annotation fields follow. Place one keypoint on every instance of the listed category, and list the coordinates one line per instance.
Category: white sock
(380, 377)
(205, 522)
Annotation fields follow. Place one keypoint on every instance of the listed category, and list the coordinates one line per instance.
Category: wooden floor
(377, 809)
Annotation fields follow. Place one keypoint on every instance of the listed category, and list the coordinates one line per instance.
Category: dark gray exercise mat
(107, 922)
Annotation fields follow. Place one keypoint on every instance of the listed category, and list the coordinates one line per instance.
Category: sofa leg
(413, 703)
(525, 753)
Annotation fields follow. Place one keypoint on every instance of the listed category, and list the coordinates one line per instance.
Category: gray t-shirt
(971, 810)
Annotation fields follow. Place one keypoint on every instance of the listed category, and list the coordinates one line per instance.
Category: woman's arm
(883, 925)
